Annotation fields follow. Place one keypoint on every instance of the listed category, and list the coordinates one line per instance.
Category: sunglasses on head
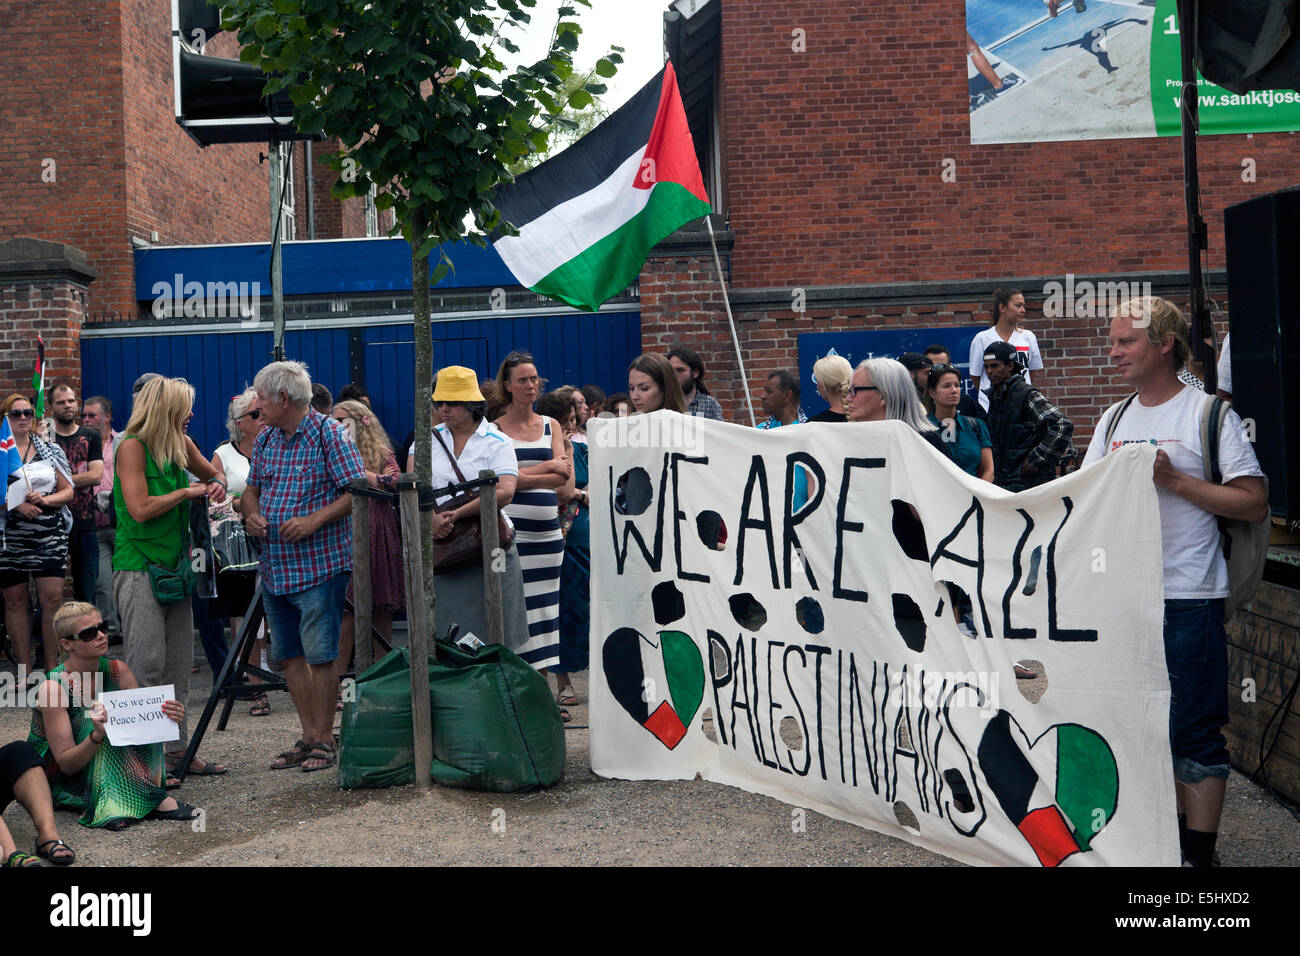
(22, 413)
(939, 371)
(92, 632)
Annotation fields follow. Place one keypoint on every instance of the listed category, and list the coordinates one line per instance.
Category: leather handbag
(465, 543)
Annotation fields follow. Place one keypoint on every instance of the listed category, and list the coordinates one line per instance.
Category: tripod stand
(229, 685)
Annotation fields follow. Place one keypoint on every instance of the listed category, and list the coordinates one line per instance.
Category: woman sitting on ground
(22, 778)
(967, 438)
(112, 786)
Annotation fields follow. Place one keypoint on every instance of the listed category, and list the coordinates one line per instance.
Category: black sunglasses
(255, 414)
(90, 633)
(22, 413)
(854, 389)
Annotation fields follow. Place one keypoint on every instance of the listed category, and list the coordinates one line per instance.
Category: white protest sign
(808, 649)
(136, 716)
(35, 476)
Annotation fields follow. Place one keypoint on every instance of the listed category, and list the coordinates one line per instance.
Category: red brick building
(825, 128)
(93, 157)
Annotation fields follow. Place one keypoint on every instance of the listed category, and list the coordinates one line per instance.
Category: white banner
(787, 593)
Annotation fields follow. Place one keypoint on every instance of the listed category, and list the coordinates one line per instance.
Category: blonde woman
(831, 373)
(151, 498)
(112, 786)
(387, 574)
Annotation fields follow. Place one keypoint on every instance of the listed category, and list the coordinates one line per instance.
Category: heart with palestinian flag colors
(1063, 813)
(639, 671)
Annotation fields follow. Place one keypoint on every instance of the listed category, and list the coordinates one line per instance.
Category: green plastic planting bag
(376, 747)
(495, 724)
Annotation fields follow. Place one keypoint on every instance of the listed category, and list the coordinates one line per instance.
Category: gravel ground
(255, 816)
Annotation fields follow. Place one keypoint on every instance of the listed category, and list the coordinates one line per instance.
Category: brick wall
(43, 291)
(90, 88)
(833, 162)
(62, 170)
(681, 303)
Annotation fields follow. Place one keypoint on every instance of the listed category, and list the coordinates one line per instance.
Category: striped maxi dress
(535, 515)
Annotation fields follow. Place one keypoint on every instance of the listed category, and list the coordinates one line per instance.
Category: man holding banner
(1149, 344)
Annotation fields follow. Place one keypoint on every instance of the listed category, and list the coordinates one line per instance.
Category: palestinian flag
(588, 217)
(38, 378)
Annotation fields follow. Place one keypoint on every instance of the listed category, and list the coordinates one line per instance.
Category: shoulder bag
(465, 543)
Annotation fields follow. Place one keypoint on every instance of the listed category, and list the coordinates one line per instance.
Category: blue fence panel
(574, 350)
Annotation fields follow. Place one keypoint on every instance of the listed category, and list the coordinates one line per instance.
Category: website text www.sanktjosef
(1265, 98)
(1203, 923)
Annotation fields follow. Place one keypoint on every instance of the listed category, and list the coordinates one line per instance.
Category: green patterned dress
(119, 782)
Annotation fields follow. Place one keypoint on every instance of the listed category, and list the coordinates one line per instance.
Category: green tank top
(160, 539)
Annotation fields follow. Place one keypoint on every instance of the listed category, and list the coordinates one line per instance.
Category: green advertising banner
(1042, 70)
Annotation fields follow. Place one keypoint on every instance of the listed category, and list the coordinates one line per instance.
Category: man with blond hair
(297, 499)
(1148, 339)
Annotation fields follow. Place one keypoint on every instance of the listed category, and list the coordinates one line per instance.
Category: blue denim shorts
(306, 624)
(1196, 653)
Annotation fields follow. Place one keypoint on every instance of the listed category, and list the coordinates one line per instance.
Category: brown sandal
(323, 752)
(292, 757)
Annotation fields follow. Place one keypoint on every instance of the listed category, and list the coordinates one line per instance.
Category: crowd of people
(123, 511)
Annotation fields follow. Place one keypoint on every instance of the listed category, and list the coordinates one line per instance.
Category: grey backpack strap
(1114, 420)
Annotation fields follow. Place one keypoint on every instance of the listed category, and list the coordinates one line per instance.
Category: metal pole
(277, 277)
(487, 515)
(740, 362)
(408, 488)
(1197, 238)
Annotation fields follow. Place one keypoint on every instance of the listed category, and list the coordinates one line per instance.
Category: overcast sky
(635, 25)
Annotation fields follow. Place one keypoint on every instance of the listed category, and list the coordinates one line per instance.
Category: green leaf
(286, 7)
(580, 99)
(606, 68)
(266, 27)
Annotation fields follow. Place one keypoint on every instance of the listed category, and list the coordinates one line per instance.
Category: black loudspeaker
(1263, 243)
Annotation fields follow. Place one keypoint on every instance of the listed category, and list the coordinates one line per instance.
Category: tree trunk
(423, 394)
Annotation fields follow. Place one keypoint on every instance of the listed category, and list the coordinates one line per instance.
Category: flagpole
(740, 362)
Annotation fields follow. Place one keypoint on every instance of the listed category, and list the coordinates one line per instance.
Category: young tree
(570, 125)
(425, 109)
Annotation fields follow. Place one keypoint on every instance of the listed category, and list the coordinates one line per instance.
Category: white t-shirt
(1224, 367)
(1024, 341)
(236, 467)
(488, 447)
(1194, 565)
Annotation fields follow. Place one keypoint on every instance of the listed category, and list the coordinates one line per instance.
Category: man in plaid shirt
(1029, 433)
(297, 500)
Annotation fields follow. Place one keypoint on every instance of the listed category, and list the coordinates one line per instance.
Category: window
(288, 219)
(372, 213)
